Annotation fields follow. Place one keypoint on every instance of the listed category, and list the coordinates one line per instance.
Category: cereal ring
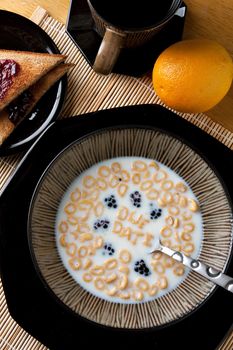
(85, 205)
(179, 270)
(159, 176)
(89, 181)
(176, 223)
(137, 295)
(98, 242)
(123, 282)
(166, 232)
(113, 182)
(186, 216)
(111, 278)
(70, 209)
(161, 202)
(110, 264)
(162, 282)
(122, 189)
(136, 178)
(63, 227)
(139, 165)
(87, 264)
(72, 220)
(167, 197)
(142, 284)
(101, 184)
(71, 249)
(153, 290)
(193, 205)
(99, 283)
(183, 202)
(82, 251)
(104, 171)
(185, 236)
(124, 256)
(87, 277)
(169, 220)
(111, 292)
(189, 227)
(188, 247)
(167, 185)
(146, 185)
(154, 165)
(116, 167)
(97, 270)
(85, 237)
(124, 269)
(62, 240)
(75, 263)
(75, 195)
(173, 210)
(181, 187)
(124, 295)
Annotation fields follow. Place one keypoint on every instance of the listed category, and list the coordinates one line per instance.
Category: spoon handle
(210, 273)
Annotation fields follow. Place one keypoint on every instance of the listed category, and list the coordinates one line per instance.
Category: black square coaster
(135, 62)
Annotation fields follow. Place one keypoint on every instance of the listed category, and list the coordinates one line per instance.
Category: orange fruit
(193, 75)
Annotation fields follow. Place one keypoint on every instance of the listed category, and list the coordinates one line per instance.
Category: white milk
(133, 243)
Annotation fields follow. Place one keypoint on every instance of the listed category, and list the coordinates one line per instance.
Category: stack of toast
(24, 78)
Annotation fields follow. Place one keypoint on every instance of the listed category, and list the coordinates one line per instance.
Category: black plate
(135, 62)
(19, 33)
(33, 305)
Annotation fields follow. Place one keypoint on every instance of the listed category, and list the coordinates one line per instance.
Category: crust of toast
(37, 91)
(32, 67)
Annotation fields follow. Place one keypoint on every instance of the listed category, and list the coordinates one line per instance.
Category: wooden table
(11, 334)
(209, 19)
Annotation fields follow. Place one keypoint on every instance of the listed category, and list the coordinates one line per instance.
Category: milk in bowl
(109, 220)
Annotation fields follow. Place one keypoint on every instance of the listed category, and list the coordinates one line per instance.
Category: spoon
(210, 273)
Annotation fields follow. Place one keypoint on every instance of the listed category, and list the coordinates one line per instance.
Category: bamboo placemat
(89, 92)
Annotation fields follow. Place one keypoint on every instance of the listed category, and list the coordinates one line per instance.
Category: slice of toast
(31, 67)
(36, 91)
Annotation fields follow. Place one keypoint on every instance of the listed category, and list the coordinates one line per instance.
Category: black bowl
(30, 300)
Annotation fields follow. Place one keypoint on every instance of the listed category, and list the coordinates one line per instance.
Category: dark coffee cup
(127, 24)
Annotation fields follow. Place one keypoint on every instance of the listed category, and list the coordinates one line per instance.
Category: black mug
(127, 23)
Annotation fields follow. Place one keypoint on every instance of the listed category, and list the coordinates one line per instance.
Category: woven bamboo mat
(89, 92)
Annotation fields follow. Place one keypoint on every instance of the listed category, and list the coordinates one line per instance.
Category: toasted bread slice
(32, 66)
(36, 92)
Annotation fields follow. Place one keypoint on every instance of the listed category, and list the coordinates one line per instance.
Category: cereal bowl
(99, 205)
